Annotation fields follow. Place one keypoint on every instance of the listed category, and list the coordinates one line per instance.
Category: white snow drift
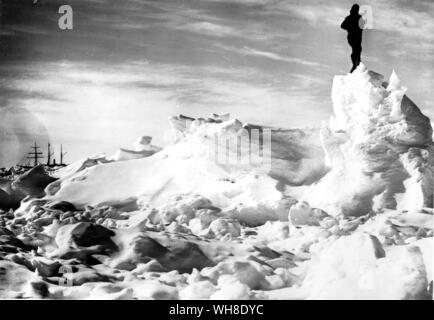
(376, 152)
(354, 200)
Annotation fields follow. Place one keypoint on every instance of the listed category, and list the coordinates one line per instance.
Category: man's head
(355, 9)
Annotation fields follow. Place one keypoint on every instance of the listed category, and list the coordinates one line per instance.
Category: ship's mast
(49, 154)
(62, 154)
(35, 155)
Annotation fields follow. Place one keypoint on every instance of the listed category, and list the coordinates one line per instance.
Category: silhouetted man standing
(351, 24)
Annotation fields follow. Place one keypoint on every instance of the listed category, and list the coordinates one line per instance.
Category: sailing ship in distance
(35, 156)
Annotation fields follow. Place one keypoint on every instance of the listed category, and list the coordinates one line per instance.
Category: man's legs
(356, 55)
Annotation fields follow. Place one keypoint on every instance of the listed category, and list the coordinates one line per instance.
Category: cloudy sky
(127, 65)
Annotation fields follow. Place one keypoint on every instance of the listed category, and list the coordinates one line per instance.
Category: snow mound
(356, 267)
(379, 147)
(79, 165)
(240, 168)
(375, 152)
(142, 148)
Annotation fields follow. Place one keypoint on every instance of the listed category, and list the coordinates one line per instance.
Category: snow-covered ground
(238, 211)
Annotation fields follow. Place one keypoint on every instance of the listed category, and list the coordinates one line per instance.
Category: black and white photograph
(216, 150)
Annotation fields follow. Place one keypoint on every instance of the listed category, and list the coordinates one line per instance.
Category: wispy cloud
(209, 29)
(247, 51)
(275, 56)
